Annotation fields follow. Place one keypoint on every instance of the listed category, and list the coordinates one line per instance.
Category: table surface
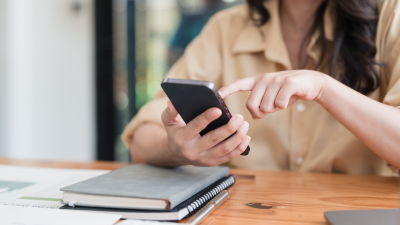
(280, 197)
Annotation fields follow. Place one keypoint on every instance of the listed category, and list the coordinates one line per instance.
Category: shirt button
(299, 161)
(301, 107)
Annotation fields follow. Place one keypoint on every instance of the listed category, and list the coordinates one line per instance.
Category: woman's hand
(186, 146)
(271, 92)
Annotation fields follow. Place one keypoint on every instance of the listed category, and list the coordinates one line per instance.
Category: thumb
(170, 115)
(171, 109)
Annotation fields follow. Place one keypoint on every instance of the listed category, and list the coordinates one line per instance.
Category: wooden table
(287, 197)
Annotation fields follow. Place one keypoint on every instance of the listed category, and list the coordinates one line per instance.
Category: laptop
(364, 217)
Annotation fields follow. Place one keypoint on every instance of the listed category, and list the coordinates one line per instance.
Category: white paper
(19, 215)
(40, 187)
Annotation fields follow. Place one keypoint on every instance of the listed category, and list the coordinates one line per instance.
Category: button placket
(299, 161)
(298, 136)
(300, 107)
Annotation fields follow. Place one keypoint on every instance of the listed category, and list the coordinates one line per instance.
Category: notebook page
(38, 187)
(12, 215)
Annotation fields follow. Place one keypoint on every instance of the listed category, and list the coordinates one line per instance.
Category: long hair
(353, 49)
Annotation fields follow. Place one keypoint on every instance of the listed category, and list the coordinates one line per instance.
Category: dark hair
(354, 40)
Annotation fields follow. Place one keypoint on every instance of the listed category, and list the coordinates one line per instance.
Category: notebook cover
(174, 185)
(176, 210)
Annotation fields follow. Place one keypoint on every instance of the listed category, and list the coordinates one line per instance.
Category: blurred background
(74, 72)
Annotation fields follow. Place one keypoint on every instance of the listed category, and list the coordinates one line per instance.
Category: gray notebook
(141, 186)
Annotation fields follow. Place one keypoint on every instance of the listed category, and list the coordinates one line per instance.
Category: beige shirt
(303, 137)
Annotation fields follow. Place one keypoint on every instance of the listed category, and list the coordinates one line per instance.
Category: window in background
(2, 79)
(163, 30)
(47, 80)
(149, 36)
(120, 75)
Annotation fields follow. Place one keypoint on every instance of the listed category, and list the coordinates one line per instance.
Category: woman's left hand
(271, 92)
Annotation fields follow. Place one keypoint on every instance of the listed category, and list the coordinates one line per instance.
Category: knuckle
(264, 109)
(280, 104)
(278, 79)
(242, 148)
(225, 149)
(251, 105)
(291, 80)
(214, 140)
(265, 76)
(231, 155)
(209, 116)
(242, 134)
(190, 155)
(231, 128)
(258, 117)
(197, 126)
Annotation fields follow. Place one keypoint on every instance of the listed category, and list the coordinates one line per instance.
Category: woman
(327, 99)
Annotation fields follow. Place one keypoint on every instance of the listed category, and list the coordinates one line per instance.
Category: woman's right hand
(186, 146)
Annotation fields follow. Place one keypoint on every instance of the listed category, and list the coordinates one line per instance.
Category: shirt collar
(268, 37)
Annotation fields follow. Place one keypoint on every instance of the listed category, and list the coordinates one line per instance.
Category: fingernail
(246, 124)
(249, 138)
(219, 92)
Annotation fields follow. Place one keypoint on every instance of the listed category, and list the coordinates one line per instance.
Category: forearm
(374, 123)
(150, 145)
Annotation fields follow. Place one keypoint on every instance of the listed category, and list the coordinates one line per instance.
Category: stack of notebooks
(147, 192)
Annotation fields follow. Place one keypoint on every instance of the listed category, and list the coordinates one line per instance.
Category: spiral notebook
(141, 186)
(181, 211)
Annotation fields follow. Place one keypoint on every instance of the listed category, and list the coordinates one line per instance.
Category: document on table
(40, 187)
(19, 215)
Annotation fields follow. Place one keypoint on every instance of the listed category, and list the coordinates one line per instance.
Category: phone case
(193, 97)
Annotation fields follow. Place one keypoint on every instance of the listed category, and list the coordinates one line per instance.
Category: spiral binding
(205, 198)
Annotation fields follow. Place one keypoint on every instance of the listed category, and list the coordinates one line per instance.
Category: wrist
(329, 91)
(325, 84)
(169, 152)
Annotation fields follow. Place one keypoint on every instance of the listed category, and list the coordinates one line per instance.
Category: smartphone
(193, 97)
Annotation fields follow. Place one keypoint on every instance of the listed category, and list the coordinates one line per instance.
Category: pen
(209, 208)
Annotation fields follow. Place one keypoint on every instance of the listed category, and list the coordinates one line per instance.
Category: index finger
(195, 126)
(246, 84)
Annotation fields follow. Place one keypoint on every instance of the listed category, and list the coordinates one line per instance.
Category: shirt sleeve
(201, 61)
(389, 45)
(388, 41)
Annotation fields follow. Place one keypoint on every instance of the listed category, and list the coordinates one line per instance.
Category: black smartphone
(193, 97)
